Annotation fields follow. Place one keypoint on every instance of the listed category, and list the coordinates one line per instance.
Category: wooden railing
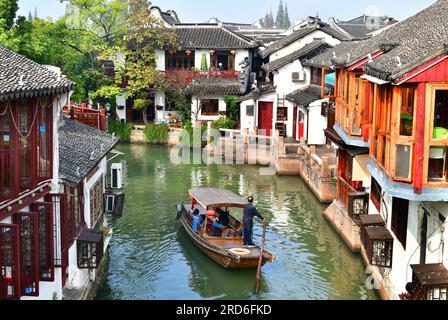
(182, 78)
(318, 172)
(90, 117)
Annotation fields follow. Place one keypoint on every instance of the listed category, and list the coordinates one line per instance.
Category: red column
(419, 149)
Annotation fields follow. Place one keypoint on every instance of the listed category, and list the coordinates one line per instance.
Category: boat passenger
(221, 221)
(250, 212)
(197, 220)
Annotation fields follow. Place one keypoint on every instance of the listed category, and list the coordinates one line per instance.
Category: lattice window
(46, 241)
(9, 262)
(90, 249)
(29, 252)
(379, 246)
(45, 142)
(96, 202)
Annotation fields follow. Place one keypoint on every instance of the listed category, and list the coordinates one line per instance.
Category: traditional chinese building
(391, 91)
(46, 228)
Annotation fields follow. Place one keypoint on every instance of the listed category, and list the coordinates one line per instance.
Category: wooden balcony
(90, 117)
(180, 78)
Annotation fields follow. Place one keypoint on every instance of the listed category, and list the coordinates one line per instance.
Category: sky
(248, 11)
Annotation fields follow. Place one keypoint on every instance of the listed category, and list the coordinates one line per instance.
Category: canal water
(153, 258)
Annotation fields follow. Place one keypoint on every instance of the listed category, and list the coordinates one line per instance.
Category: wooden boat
(226, 250)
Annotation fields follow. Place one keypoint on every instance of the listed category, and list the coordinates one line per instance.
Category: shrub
(223, 123)
(157, 133)
(121, 130)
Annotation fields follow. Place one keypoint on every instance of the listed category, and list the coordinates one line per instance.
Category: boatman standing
(250, 212)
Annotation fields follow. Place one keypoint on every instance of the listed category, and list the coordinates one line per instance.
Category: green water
(152, 257)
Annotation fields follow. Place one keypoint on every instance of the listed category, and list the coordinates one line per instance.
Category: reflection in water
(153, 258)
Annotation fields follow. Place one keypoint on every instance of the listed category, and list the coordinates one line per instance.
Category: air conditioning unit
(110, 202)
(116, 175)
(298, 76)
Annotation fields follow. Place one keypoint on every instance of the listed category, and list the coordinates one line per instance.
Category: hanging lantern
(212, 52)
(171, 52)
(188, 52)
(233, 52)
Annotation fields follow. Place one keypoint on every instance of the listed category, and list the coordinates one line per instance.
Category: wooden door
(265, 112)
(294, 126)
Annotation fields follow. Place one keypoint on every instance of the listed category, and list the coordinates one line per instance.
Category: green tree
(145, 33)
(8, 10)
(287, 22)
(280, 19)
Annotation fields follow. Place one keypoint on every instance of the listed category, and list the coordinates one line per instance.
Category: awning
(353, 151)
(333, 136)
(374, 79)
(91, 236)
(213, 197)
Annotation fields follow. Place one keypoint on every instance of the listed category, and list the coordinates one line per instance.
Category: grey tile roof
(299, 34)
(37, 80)
(215, 86)
(414, 40)
(210, 36)
(82, 147)
(305, 96)
(308, 51)
(264, 89)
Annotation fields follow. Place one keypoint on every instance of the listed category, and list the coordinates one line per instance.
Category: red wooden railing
(182, 78)
(90, 117)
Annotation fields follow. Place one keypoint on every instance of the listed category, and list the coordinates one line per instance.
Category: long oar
(258, 279)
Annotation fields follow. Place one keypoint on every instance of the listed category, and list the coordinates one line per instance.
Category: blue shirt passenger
(197, 220)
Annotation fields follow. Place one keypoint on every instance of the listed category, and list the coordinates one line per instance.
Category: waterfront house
(83, 168)
(51, 186)
(282, 67)
(31, 97)
(213, 62)
(393, 108)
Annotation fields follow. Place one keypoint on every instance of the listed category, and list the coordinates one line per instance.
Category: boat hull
(221, 255)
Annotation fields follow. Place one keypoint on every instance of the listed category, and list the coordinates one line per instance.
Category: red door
(301, 125)
(265, 111)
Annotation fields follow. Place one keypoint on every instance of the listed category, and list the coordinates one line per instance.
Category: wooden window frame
(13, 280)
(96, 202)
(33, 255)
(376, 202)
(208, 113)
(399, 223)
(431, 89)
(48, 241)
(323, 95)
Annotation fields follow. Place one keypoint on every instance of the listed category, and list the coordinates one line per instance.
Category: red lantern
(212, 52)
(233, 52)
(188, 52)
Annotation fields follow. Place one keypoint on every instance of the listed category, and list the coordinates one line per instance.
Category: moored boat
(226, 246)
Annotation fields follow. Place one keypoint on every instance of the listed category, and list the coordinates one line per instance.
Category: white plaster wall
(160, 59)
(247, 122)
(239, 57)
(302, 42)
(159, 100)
(283, 78)
(121, 101)
(317, 123)
(57, 106)
(88, 185)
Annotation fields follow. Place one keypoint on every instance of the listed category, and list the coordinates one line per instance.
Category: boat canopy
(213, 197)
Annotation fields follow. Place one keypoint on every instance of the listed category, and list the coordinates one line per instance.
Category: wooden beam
(419, 151)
